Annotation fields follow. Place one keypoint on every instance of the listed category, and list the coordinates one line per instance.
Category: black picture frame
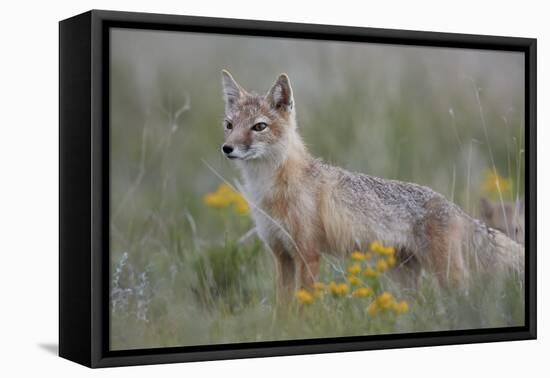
(84, 187)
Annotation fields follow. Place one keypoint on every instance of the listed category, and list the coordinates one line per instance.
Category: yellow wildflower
(215, 200)
(344, 289)
(354, 269)
(241, 206)
(224, 197)
(385, 300)
(358, 256)
(381, 266)
(225, 191)
(376, 246)
(401, 307)
(368, 255)
(379, 248)
(391, 261)
(372, 310)
(370, 273)
(362, 292)
(304, 297)
(339, 290)
(319, 286)
(354, 280)
(333, 287)
(495, 184)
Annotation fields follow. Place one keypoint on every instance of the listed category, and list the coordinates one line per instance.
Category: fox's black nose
(227, 149)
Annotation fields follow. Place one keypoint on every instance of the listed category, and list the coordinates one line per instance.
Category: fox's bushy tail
(493, 250)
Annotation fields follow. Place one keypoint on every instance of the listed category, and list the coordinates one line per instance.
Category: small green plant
(223, 270)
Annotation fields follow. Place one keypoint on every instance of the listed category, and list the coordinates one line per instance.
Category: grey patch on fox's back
(384, 209)
(398, 212)
(389, 198)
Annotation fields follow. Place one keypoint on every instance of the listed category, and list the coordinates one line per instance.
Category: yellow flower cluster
(364, 267)
(379, 248)
(361, 256)
(400, 307)
(319, 286)
(386, 259)
(354, 280)
(381, 266)
(493, 184)
(370, 273)
(338, 289)
(354, 269)
(386, 302)
(304, 297)
(225, 197)
(362, 292)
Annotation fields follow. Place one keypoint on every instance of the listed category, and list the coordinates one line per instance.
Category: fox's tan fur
(505, 216)
(303, 207)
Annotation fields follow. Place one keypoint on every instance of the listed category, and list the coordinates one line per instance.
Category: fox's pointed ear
(280, 94)
(231, 90)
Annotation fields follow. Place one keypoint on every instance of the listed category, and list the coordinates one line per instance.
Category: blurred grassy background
(439, 117)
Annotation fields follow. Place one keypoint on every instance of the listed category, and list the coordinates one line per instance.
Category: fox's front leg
(285, 267)
(308, 262)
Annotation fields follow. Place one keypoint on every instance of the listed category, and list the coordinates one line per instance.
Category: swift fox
(303, 207)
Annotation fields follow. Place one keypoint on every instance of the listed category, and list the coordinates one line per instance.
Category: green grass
(180, 273)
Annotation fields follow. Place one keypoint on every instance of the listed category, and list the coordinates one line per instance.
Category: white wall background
(29, 185)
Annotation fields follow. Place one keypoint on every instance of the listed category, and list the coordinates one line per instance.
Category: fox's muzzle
(227, 149)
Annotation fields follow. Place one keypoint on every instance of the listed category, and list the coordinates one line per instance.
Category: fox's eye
(259, 126)
(228, 125)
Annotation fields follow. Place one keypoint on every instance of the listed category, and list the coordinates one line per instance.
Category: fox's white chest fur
(280, 210)
(258, 187)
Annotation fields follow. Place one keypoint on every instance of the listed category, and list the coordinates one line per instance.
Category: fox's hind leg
(443, 254)
(457, 271)
(446, 258)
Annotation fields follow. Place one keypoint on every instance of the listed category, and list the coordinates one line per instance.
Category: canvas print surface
(269, 189)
